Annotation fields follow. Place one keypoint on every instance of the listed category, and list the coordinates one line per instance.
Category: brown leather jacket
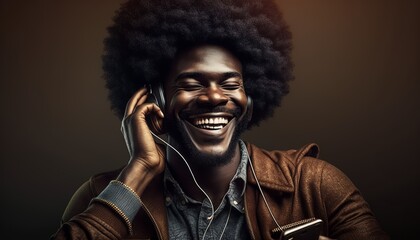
(296, 185)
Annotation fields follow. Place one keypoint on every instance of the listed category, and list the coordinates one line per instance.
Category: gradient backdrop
(355, 94)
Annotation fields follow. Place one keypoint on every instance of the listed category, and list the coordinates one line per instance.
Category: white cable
(261, 191)
(228, 217)
(195, 181)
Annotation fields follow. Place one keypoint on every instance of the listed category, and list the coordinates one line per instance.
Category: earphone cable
(227, 221)
(195, 181)
(262, 193)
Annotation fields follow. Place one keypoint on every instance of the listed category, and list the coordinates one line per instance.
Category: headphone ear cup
(249, 108)
(159, 96)
(156, 96)
(249, 103)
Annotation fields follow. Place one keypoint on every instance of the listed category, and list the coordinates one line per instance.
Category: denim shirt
(189, 219)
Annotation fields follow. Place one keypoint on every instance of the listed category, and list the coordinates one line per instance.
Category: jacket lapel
(274, 171)
(154, 206)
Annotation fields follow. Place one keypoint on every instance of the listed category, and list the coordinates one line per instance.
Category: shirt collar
(236, 187)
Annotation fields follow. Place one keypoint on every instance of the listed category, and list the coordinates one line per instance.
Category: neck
(213, 180)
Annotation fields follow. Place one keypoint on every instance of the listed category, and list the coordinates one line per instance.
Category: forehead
(211, 59)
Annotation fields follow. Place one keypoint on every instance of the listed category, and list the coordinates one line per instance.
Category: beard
(200, 159)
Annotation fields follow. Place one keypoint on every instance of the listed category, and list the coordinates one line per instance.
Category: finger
(138, 124)
(140, 101)
(133, 101)
(140, 115)
(146, 109)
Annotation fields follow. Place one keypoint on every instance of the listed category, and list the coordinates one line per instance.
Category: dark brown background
(355, 93)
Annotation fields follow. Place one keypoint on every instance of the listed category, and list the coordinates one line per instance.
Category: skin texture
(204, 82)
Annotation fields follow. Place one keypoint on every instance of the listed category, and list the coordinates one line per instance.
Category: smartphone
(308, 229)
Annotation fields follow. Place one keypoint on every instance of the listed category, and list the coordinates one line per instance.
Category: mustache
(188, 112)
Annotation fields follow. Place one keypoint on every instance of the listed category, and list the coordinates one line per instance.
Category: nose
(213, 95)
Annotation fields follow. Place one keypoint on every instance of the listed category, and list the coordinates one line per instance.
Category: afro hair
(147, 34)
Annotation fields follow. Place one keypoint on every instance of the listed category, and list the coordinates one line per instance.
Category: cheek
(178, 102)
(239, 98)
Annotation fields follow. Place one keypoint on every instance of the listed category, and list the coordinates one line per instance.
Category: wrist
(122, 199)
(137, 176)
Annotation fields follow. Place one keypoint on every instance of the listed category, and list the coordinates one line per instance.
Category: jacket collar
(271, 171)
(275, 169)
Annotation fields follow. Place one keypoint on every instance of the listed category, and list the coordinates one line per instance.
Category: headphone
(157, 97)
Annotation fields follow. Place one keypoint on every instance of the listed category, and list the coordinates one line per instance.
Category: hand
(146, 157)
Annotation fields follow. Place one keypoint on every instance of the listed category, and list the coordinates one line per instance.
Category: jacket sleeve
(82, 220)
(349, 215)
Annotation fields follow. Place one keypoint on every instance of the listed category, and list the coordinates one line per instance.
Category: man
(201, 73)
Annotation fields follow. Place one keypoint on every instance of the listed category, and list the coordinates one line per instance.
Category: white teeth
(211, 123)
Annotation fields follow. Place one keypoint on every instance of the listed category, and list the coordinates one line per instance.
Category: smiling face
(206, 104)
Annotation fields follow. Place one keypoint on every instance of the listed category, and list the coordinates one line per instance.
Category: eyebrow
(200, 75)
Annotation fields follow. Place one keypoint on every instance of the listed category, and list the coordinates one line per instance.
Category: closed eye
(231, 86)
(232, 83)
(189, 85)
